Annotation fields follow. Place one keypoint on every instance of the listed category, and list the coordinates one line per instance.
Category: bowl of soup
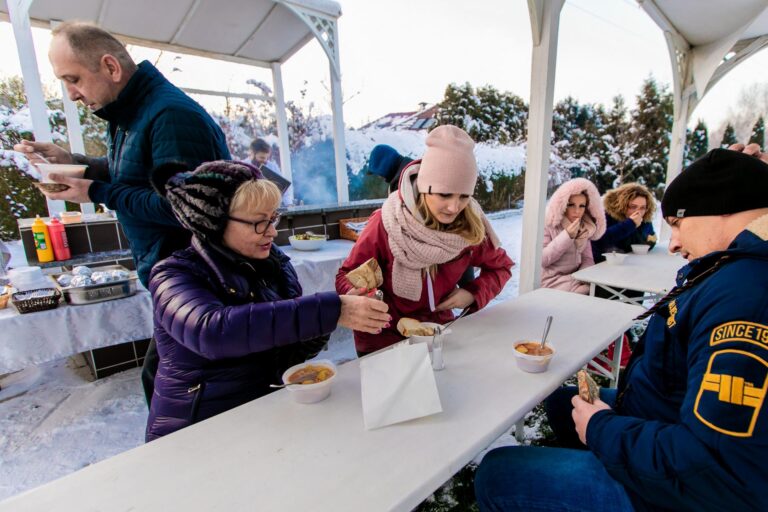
(310, 381)
(640, 248)
(307, 241)
(531, 357)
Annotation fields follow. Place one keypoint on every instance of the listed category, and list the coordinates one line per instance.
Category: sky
(398, 53)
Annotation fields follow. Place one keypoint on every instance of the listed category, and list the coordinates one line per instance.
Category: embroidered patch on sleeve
(732, 392)
(750, 332)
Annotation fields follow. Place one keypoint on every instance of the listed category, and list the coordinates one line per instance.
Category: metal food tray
(99, 292)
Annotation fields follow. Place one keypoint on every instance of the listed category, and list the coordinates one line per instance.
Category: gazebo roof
(719, 35)
(256, 32)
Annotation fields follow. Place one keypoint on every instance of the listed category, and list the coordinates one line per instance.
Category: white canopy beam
(18, 11)
(282, 129)
(325, 30)
(545, 21)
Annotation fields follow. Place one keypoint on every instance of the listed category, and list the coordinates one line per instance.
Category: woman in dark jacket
(229, 315)
(628, 213)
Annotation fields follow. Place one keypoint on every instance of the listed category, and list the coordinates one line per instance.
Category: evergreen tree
(697, 142)
(729, 136)
(650, 131)
(578, 132)
(758, 132)
(486, 114)
(616, 147)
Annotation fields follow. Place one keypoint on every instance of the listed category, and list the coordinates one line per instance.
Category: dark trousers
(148, 371)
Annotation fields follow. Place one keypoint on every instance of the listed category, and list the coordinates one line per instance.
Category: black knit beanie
(721, 182)
(200, 199)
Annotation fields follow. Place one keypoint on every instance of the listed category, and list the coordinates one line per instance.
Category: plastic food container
(74, 171)
(439, 333)
(533, 364)
(310, 393)
(312, 244)
(640, 248)
(615, 258)
(71, 217)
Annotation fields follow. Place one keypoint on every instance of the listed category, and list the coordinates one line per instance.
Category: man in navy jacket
(686, 430)
(151, 122)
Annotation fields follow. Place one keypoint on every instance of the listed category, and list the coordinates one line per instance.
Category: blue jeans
(538, 478)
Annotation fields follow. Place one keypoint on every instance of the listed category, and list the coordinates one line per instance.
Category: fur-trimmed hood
(559, 201)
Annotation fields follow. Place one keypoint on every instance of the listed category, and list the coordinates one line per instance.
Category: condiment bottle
(59, 240)
(42, 241)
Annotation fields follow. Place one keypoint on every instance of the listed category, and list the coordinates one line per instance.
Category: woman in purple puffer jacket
(228, 311)
(574, 218)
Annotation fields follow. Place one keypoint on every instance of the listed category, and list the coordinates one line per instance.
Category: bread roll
(410, 327)
(368, 275)
(588, 389)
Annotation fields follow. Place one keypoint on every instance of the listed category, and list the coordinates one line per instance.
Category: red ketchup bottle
(59, 240)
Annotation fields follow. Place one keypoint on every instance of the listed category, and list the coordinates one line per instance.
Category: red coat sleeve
(367, 246)
(495, 270)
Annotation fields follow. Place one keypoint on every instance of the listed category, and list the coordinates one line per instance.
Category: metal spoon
(547, 325)
(445, 327)
(308, 376)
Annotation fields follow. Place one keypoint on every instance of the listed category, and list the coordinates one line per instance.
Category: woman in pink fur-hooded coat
(574, 218)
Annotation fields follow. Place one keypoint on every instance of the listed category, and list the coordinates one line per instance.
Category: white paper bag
(398, 385)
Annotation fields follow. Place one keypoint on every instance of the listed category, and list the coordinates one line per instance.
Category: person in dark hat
(686, 430)
(229, 313)
(387, 163)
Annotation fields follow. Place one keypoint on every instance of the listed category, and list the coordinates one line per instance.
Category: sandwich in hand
(588, 390)
(368, 275)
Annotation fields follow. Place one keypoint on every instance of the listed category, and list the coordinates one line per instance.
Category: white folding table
(274, 454)
(653, 274)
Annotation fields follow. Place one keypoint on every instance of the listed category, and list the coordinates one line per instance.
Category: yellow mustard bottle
(42, 241)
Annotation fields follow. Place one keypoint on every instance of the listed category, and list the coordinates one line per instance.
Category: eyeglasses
(260, 226)
(579, 206)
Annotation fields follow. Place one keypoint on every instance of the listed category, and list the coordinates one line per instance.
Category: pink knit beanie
(448, 165)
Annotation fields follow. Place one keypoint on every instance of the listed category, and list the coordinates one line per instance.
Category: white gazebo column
(326, 30)
(339, 142)
(282, 129)
(684, 93)
(18, 11)
(74, 130)
(545, 21)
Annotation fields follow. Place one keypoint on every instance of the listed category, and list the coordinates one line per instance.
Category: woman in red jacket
(425, 236)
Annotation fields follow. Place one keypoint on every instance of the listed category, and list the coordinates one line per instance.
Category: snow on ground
(54, 419)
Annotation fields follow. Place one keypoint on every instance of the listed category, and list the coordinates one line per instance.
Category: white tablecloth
(317, 269)
(35, 338)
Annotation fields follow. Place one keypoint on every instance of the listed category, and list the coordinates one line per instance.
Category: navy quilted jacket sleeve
(188, 309)
(175, 135)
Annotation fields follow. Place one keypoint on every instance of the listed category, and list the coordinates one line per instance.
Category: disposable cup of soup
(640, 248)
(69, 170)
(311, 392)
(440, 331)
(531, 361)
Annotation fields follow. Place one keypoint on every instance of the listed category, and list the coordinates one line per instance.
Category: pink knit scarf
(416, 247)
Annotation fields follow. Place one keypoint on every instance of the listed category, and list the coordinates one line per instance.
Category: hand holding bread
(368, 275)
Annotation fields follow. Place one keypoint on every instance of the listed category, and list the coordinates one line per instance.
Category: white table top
(654, 272)
(331, 250)
(35, 338)
(274, 454)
